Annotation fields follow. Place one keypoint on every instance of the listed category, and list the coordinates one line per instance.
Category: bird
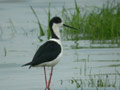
(49, 53)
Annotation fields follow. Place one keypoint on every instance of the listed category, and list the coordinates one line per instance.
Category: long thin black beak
(69, 26)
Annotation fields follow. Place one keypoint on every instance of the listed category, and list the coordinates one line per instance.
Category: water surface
(19, 41)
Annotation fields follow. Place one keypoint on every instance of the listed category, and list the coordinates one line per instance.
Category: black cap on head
(56, 20)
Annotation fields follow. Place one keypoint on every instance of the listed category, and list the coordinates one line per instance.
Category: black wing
(47, 52)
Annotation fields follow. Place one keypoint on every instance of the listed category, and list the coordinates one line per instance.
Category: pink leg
(45, 77)
(50, 77)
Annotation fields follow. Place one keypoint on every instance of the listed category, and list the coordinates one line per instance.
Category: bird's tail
(27, 65)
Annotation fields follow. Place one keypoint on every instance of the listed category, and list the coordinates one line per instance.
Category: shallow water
(19, 41)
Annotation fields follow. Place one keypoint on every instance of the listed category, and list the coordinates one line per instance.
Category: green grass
(49, 16)
(42, 32)
(100, 25)
(97, 24)
(96, 81)
(39, 24)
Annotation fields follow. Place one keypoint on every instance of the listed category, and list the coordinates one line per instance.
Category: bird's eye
(58, 21)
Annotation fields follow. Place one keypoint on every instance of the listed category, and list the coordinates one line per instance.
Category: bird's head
(56, 21)
(54, 25)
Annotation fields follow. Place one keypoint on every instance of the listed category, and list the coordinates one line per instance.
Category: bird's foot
(47, 88)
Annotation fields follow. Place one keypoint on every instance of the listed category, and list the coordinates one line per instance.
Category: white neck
(55, 28)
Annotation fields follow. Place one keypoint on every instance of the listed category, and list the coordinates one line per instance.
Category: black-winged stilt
(50, 52)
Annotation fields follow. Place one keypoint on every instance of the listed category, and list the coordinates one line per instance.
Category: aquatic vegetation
(1, 32)
(79, 84)
(42, 32)
(49, 16)
(100, 24)
(12, 26)
(13, 29)
(97, 82)
(39, 24)
(5, 52)
(113, 65)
